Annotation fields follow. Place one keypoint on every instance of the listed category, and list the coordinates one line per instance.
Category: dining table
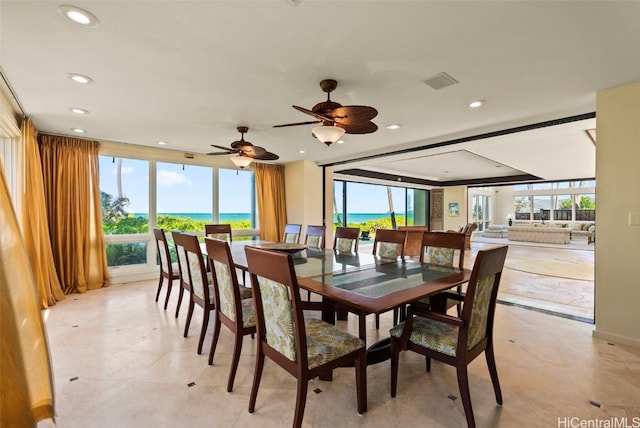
(360, 283)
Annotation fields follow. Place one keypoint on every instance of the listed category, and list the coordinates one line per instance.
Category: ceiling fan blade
(358, 128)
(351, 115)
(314, 114)
(224, 148)
(268, 156)
(219, 153)
(252, 151)
(296, 124)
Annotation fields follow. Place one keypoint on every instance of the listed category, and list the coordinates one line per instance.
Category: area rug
(560, 268)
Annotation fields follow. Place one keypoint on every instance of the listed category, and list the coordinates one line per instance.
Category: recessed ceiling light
(79, 16)
(79, 110)
(477, 103)
(301, 151)
(340, 142)
(78, 130)
(162, 143)
(393, 126)
(79, 78)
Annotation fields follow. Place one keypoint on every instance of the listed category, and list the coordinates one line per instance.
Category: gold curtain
(26, 387)
(272, 209)
(71, 181)
(34, 222)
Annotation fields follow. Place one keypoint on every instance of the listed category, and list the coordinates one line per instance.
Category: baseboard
(121, 276)
(614, 338)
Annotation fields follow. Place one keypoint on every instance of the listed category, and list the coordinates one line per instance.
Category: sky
(189, 189)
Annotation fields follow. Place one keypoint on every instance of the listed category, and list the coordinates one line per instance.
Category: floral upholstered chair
(456, 341)
(168, 270)
(292, 233)
(234, 306)
(345, 240)
(218, 231)
(440, 249)
(305, 348)
(315, 237)
(389, 244)
(200, 280)
(185, 284)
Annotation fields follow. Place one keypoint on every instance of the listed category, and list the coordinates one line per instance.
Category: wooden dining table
(360, 283)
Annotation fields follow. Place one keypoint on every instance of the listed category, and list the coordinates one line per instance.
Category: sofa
(496, 231)
(545, 233)
(583, 230)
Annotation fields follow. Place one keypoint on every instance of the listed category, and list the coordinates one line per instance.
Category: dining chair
(314, 237)
(201, 291)
(441, 249)
(185, 282)
(306, 348)
(345, 240)
(168, 270)
(292, 233)
(218, 231)
(457, 341)
(389, 243)
(235, 312)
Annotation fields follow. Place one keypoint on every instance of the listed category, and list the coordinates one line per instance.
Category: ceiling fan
(244, 150)
(335, 118)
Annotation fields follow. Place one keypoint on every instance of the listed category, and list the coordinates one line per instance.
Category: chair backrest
(292, 233)
(440, 248)
(480, 299)
(196, 267)
(469, 228)
(218, 231)
(279, 318)
(163, 251)
(182, 259)
(225, 281)
(345, 238)
(314, 237)
(389, 243)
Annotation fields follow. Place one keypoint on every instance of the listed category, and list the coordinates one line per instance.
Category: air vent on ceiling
(439, 81)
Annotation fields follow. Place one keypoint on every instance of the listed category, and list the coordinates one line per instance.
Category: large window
(480, 211)
(557, 202)
(184, 196)
(371, 206)
(139, 194)
(237, 200)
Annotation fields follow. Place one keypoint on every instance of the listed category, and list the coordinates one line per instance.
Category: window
(522, 207)
(124, 194)
(480, 211)
(184, 198)
(237, 199)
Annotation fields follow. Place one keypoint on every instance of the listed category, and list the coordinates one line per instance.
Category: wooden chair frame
(347, 233)
(166, 267)
(392, 236)
(488, 262)
(218, 229)
(278, 267)
(292, 228)
(219, 251)
(192, 249)
(184, 273)
(315, 231)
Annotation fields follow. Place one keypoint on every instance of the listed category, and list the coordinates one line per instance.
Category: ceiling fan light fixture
(241, 161)
(328, 134)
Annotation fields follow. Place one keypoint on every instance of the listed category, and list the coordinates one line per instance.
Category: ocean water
(232, 217)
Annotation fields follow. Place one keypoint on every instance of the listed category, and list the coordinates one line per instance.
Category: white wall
(452, 195)
(303, 187)
(617, 250)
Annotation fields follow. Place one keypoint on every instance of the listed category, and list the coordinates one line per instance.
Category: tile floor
(120, 360)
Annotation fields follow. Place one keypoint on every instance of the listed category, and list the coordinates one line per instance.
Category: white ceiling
(190, 72)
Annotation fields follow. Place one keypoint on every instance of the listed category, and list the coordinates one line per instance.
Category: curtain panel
(272, 209)
(34, 220)
(27, 386)
(71, 185)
